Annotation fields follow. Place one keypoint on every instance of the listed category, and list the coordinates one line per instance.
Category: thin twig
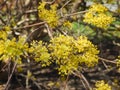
(102, 72)
(49, 31)
(2, 20)
(30, 35)
(49, 2)
(61, 10)
(11, 75)
(76, 13)
(28, 26)
(76, 5)
(115, 43)
(86, 81)
(66, 82)
(19, 82)
(83, 84)
(28, 71)
(38, 85)
(80, 78)
(62, 32)
(30, 11)
(106, 60)
(6, 64)
(105, 65)
(80, 75)
(22, 21)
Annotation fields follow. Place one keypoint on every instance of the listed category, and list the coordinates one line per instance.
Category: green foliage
(81, 29)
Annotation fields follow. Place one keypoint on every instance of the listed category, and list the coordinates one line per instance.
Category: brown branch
(11, 75)
(30, 11)
(32, 80)
(106, 60)
(76, 5)
(35, 82)
(48, 2)
(76, 13)
(28, 26)
(62, 32)
(65, 87)
(80, 75)
(85, 81)
(49, 31)
(105, 65)
(61, 10)
(2, 20)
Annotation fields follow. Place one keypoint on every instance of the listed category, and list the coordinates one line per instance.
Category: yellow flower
(7, 28)
(2, 48)
(67, 24)
(101, 85)
(97, 15)
(98, 8)
(40, 53)
(50, 16)
(11, 49)
(69, 53)
(3, 35)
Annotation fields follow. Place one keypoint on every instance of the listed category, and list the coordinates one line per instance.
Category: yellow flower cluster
(97, 15)
(40, 53)
(50, 16)
(98, 8)
(12, 49)
(70, 53)
(101, 85)
(7, 28)
(67, 24)
(3, 34)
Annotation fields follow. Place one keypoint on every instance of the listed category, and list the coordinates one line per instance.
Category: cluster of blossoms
(50, 16)
(12, 49)
(4, 32)
(67, 24)
(70, 53)
(98, 15)
(40, 53)
(101, 85)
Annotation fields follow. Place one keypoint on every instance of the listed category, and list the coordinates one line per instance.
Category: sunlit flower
(50, 16)
(101, 85)
(69, 53)
(97, 15)
(67, 24)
